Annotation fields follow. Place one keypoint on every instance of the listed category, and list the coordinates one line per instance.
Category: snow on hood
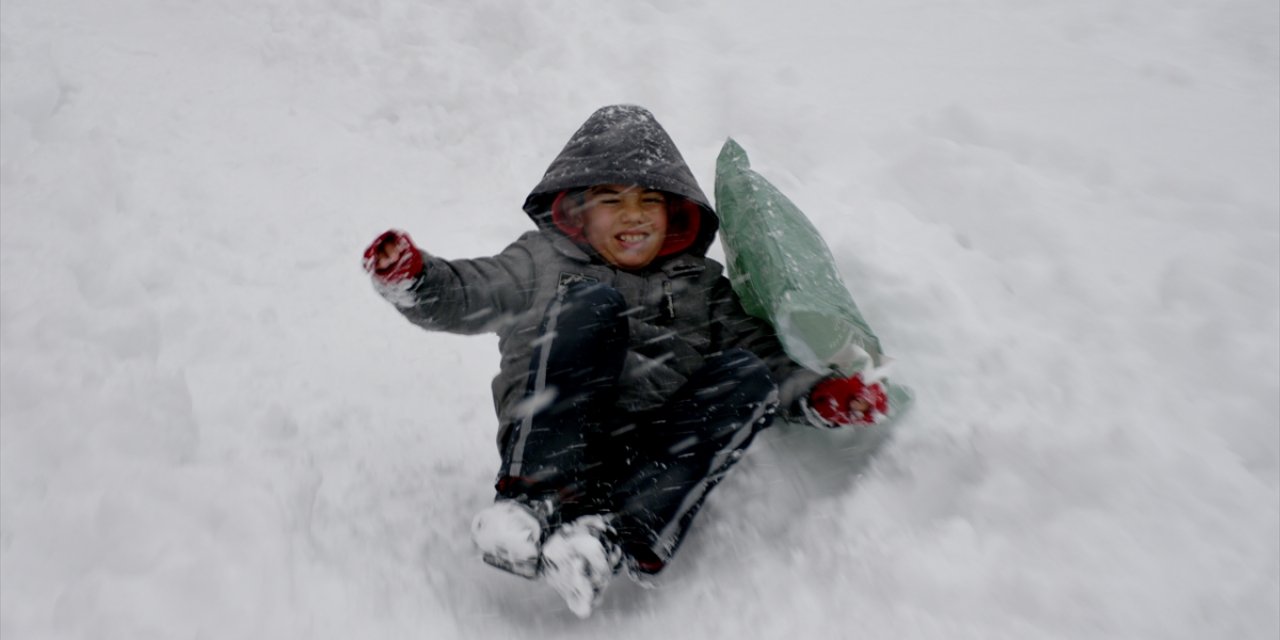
(622, 144)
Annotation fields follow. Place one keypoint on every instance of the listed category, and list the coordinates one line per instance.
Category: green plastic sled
(784, 273)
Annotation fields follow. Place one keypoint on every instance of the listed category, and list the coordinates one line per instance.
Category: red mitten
(393, 258)
(844, 401)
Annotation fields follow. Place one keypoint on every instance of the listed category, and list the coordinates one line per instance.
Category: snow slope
(1063, 219)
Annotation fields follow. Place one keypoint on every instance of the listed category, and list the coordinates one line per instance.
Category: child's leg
(573, 375)
(692, 443)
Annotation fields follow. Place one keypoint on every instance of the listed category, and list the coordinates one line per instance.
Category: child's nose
(633, 212)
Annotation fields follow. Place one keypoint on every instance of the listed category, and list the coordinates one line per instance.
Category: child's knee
(594, 294)
(587, 306)
(743, 368)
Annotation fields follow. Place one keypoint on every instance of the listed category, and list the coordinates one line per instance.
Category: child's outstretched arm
(735, 328)
(825, 401)
(458, 296)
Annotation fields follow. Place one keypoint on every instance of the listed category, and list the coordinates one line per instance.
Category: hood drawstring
(668, 301)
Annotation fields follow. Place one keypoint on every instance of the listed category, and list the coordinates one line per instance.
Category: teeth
(632, 237)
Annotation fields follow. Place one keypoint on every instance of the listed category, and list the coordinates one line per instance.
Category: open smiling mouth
(631, 238)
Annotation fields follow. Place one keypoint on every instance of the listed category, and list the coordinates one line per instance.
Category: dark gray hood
(622, 144)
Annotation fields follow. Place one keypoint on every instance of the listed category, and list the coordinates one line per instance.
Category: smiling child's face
(625, 224)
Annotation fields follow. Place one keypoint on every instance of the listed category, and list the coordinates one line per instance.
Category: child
(631, 379)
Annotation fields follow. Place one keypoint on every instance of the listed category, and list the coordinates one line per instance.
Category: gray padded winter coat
(682, 307)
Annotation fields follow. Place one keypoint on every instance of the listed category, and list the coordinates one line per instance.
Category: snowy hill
(1063, 220)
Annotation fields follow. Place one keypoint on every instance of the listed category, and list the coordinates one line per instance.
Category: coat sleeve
(734, 328)
(470, 296)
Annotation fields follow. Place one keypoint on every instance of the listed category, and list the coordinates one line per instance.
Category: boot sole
(528, 569)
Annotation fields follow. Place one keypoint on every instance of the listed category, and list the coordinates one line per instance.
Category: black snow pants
(651, 471)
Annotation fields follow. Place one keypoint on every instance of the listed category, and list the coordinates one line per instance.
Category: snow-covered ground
(1062, 218)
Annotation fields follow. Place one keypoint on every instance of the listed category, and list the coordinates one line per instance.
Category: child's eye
(654, 199)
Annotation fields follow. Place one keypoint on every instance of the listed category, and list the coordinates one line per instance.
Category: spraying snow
(1063, 221)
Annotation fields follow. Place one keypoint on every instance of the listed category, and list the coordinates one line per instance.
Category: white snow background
(1062, 218)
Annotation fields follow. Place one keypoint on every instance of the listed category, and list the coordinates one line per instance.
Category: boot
(579, 560)
(509, 534)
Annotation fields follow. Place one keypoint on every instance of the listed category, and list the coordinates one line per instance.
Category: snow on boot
(579, 559)
(509, 535)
